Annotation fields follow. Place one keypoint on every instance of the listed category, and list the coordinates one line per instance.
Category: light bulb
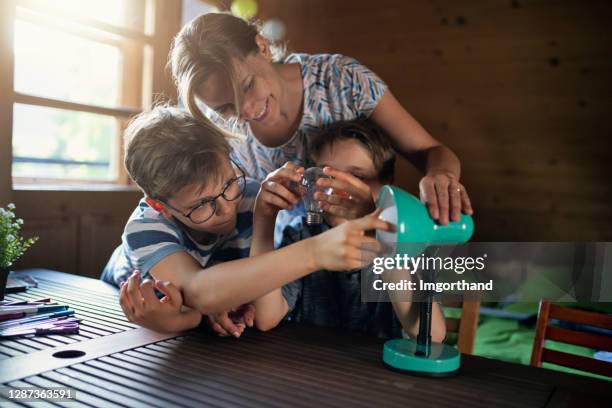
(308, 187)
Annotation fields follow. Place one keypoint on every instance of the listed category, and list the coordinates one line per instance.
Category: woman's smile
(260, 116)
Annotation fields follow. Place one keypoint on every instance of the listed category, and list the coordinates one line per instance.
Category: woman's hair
(208, 44)
(167, 149)
(375, 141)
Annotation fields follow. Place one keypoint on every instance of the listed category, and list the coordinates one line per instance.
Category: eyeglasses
(232, 190)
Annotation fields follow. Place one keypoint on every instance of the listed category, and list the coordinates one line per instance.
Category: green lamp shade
(413, 225)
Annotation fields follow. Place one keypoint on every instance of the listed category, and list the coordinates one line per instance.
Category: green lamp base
(402, 354)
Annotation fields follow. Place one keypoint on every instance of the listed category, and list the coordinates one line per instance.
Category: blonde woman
(228, 73)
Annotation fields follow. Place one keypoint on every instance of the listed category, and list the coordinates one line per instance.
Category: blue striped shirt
(148, 238)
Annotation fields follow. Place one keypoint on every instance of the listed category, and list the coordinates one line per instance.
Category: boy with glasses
(190, 236)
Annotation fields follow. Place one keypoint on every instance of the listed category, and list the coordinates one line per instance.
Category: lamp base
(401, 355)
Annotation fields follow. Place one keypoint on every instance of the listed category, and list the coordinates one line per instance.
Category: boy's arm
(229, 284)
(408, 311)
(272, 307)
(275, 194)
(408, 315)
(166, 315)
(140, 305)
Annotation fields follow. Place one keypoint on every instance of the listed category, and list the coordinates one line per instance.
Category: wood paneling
(56, 245)
(78, 230)
(167, 24)
(98, 236)
(520, 90)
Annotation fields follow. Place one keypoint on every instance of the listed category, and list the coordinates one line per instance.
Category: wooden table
(291, 365)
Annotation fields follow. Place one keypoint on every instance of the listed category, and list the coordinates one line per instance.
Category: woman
(228, 73)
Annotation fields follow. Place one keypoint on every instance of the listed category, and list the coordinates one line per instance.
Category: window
(80, 69)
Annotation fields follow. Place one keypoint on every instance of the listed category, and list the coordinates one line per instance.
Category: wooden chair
(466, 325)
(596, 341)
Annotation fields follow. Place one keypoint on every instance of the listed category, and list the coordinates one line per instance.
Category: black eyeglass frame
(213, 200)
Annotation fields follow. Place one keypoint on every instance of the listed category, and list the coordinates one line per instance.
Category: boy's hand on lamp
(347, 246)
(141, 305)
(442, 193)
(276, 193)
(351, 198)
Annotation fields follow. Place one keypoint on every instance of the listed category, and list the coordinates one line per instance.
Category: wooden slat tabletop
(292, 365)
(96, 304)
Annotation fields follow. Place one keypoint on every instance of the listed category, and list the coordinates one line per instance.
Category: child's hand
(276, 193)
(347, 246)
(234, 322)
(444, 195)
(142, 307)
(351, 197)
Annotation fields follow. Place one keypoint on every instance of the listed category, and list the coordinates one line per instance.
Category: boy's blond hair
(166, 149)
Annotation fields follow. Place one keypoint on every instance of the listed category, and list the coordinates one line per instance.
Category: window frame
(144, 45)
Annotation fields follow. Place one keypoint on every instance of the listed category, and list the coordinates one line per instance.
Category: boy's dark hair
(167, 149)
(365, 132)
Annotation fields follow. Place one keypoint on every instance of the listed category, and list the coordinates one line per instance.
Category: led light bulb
(308, 187)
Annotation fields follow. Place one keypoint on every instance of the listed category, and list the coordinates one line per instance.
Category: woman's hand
(141, 305)
(276, 193)
(347, 246)
(351, 198)
(443, 194)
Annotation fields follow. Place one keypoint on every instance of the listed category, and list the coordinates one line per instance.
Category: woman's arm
(440, 188)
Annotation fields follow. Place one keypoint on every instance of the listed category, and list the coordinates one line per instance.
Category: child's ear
(264, 47)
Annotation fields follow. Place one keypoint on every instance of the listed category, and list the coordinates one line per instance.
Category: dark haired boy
(359, 159)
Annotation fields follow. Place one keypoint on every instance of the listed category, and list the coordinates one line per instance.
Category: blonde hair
(166, 149)
(208, 44)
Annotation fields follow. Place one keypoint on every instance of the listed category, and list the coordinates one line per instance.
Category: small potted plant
(12, 245)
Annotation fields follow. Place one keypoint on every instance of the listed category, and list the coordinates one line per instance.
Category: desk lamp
(414, 226)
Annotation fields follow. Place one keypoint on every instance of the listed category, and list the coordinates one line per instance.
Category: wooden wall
(520, 90)
(77, 230)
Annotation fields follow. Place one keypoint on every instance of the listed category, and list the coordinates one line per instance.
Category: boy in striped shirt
(190, 235)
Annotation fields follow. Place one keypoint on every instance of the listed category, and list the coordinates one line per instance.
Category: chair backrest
(544, 331)
(466, 325)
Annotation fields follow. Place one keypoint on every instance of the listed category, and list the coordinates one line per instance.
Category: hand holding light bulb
(350, 197)
(278, 191)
